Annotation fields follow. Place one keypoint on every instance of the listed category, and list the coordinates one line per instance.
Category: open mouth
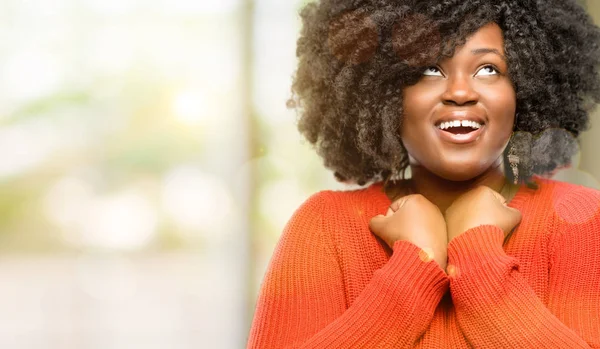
(459, 126)
(460, 134)
(460, 130)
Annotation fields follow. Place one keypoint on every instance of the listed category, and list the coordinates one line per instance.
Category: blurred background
(148, 164)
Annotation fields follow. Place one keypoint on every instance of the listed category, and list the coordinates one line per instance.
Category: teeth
(458, 123)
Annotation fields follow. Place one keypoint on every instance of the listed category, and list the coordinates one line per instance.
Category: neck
(442, 192)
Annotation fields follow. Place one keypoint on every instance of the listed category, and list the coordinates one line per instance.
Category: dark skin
(454, 187)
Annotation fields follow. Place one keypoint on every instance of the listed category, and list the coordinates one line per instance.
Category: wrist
(478, 247)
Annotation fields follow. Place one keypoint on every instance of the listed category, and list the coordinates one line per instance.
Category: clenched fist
(415, 219)
(480, 206)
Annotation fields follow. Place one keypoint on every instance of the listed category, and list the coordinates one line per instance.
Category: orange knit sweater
(331, 284)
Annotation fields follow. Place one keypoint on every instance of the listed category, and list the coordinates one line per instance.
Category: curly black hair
(356, 57)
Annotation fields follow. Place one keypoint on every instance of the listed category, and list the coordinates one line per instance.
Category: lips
(460, 138)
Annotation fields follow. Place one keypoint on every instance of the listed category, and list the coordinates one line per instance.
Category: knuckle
(373, 222)
(417, 197)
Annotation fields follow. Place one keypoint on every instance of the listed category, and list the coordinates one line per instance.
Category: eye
(432, 69)
(489, 70)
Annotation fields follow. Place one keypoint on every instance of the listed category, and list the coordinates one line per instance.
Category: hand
(480, 206)
(415, 219)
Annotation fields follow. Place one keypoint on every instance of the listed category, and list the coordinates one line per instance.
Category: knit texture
(332, 284)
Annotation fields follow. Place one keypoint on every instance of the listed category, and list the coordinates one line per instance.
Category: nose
(460, 91)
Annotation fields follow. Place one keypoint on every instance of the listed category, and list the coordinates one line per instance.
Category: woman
(481, 101)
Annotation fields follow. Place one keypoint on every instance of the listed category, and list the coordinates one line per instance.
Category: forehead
(486, 40)
(488, 36)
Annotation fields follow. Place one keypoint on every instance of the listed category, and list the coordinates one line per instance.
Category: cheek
(420, 95)
(502, 100)
(418, 102)
(507, 109)
(501, 105)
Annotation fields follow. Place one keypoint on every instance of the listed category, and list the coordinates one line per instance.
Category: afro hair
(357, 56)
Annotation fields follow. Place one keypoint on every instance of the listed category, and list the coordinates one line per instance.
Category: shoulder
(564, 193)
(324, 203)
(340, 200)
(575, 213)
(572, 203)
(360, 202)
(317, 221)
(562, 186)
(573, 208)
(338, 210)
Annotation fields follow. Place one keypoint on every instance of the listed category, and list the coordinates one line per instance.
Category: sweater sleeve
(497, 308)
(302, 303)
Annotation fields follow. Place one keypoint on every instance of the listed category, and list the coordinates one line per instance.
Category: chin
(462, 176)
(457, 177)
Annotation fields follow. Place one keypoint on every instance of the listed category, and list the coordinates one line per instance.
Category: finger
(513, 217)
(376, 222)
(516, 215)
(395, 206)
(499, 197)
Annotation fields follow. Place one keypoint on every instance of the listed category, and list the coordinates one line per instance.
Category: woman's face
(470, 87)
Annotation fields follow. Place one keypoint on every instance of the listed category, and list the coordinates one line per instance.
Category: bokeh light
(197, 202)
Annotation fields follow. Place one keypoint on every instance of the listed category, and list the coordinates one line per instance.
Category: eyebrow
(480, 51)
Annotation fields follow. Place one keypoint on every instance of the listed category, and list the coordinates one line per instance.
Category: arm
(497, 308)
(302, 303)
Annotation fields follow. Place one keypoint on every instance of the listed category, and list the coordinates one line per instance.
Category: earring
(513, 160)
